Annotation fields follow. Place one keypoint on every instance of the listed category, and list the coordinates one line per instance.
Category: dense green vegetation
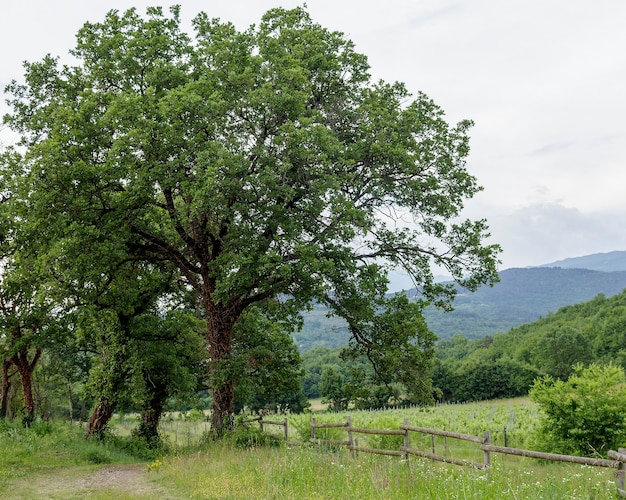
(501, 366)
(585, 414)
(175, 196)
(507, 363)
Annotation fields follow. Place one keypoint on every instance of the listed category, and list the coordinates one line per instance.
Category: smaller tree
(265, 364)
(25, 322)
(332, 387)
(585, 414)
(168, 355)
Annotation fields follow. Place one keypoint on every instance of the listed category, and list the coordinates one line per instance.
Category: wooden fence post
(486, 453)
(286, 429)
(406, 440)
(350, 438)
(621, 471)
(313, 428)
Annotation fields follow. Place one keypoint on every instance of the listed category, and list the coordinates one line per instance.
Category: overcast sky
(543, 80)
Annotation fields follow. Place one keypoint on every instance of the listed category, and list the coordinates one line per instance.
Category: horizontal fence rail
(617, 458)
(554, 457)
(436, 432)
(262, 423)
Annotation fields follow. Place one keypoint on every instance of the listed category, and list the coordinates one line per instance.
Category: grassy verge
(250, 465)
(25, 452)
(309, 473)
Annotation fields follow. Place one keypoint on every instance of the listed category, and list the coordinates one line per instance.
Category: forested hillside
(501, 366)
(522, 296)
(506, 364)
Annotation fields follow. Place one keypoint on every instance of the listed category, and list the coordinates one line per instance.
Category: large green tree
(264, 164)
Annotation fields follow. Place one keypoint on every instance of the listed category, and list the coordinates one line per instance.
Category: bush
(136, 446)
(586, 414)
(195, 416)
(244, 437)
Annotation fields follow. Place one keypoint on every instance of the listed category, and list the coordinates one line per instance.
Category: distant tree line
(500, 366)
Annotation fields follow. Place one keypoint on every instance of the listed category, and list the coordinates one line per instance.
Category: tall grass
(304, 472)
(307, 473)
(251, 465)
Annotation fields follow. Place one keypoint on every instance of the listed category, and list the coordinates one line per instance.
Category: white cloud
(545, 232)
(542, 80)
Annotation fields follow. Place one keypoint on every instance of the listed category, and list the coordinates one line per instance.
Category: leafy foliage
(584, 414)
(252, 168)
(591, 332)
(265, 365)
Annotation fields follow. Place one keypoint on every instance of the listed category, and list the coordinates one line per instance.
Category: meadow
(250, 466)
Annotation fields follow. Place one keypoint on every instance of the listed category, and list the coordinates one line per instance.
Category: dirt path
(115, 481)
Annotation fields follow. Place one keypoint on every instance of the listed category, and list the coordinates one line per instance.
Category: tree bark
(25, 368)
(99, 419)
(4, 391)
(70, 404)
(220, 322)
(153, 409)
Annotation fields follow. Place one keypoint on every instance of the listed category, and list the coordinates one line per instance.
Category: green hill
(505, 365)
(523, 295)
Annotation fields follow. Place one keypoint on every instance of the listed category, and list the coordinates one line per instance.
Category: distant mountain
(610, 261)
(522, 296)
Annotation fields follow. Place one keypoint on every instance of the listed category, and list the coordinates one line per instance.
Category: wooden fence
(262, 423)
(618, 458)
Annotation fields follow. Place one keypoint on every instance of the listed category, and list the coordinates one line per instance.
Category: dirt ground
(114, 482)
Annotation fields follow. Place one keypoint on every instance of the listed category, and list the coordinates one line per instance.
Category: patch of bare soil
(115, 481)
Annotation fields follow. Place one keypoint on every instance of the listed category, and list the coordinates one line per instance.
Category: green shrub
(98, 457)
(584, 415)
(244, 437)
(136, 446)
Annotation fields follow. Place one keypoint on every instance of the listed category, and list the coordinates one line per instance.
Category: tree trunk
(220, 320)
(83, 410)
(152, 409)
(113, 378)
(149, 426)
(25, 368)
(70, 404)
(4, 390)
(99, 419)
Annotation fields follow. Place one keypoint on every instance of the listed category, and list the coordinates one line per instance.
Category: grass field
(53, 461)
(312, 474)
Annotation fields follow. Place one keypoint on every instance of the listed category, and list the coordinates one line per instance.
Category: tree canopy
(263, 166)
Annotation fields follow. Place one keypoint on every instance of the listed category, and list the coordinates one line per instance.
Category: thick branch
(160, 246)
